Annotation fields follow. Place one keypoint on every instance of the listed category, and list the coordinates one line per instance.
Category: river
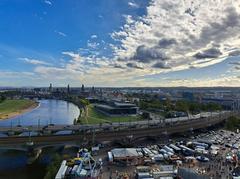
(13, 164)
(48, 112)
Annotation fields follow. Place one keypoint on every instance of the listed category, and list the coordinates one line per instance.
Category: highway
(157, 130)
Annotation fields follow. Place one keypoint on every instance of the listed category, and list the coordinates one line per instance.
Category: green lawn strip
(95, 117)
(123, 119)
(9, 106)
(92, 120)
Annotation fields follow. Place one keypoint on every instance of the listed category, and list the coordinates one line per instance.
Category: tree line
(181, 105)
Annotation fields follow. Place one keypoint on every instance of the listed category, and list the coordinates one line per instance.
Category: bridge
(51, 129)
(97, 133)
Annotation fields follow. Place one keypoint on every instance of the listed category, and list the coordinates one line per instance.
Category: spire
(68, 89)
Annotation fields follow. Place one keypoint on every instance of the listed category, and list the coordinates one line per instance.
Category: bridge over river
(88, 133)
(50, 129)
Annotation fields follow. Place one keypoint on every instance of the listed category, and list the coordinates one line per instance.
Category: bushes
(2, 98)
(232, 123)
(52, 169)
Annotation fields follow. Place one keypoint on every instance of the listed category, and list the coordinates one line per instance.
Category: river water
(48, 112)
(13, 164)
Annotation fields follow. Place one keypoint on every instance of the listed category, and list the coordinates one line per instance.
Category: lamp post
(38, 124)
(11, 125)
(29, 142)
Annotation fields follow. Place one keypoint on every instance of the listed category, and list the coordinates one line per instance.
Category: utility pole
(38, 124)
(19, 121)
(29, 135)
(11, 126)
(93, 136)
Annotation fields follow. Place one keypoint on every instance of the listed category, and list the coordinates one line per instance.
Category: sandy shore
(20, 112)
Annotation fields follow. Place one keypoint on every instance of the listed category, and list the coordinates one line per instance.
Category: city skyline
(135, 43)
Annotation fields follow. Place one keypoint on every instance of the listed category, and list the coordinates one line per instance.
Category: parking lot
(212, 154)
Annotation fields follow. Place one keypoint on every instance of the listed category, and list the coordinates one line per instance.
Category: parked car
(202, 159)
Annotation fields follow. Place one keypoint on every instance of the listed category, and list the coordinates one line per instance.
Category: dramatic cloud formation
(133, 43)
(171, 36)
(161, 65)
(178, 33)
(209, 53)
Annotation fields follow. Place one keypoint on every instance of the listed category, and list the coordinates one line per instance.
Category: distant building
(114, 108)
(188, 96)
(228, 104)
(68, 89)
(50, 87)
(82, 89)
(130, 155)
(93, 90)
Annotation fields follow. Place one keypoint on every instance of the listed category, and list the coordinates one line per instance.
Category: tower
(50, 87)
(82, 90)
(93, 90)
(68, 89)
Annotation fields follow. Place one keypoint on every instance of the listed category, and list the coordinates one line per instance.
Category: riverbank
(13, 108)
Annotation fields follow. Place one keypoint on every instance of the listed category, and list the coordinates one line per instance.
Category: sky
(113, 43)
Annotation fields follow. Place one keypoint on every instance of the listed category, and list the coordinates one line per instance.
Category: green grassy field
(95, 117)
(10, 108)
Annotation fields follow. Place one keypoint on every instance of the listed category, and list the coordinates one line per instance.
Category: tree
(232, 123)
(146, 115)
(52, 169)
(182, 106)
(213, 107)
(2, 98)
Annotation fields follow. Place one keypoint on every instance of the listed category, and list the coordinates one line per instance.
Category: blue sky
(119, 43)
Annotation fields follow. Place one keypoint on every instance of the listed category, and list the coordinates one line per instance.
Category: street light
(29, 142)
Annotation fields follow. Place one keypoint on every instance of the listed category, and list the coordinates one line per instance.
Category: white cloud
(48, 2)
(133, 4)
(172, 36)
(60, 33)
(13, 74)
(93, 36)
(92, 45)
(181, 33)
(34, 61)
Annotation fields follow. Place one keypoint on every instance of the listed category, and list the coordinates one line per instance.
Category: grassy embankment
(11, 108)
(92, 116)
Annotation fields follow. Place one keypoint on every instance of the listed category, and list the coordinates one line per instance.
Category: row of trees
(185, 106)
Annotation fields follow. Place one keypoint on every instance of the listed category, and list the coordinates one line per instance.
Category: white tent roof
(124, 152)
